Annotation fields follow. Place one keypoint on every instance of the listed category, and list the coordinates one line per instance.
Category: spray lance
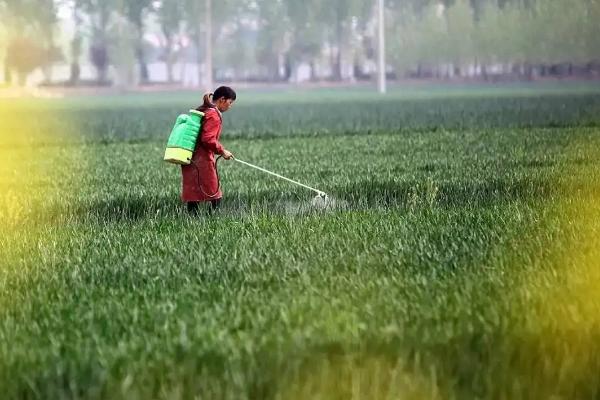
(320, 200)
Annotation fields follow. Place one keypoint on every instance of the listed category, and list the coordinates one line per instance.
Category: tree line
(267, 40)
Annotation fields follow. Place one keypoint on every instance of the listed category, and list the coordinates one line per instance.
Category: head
(222, 98)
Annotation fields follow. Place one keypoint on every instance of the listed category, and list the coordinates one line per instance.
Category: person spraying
(200, 180)
(193, 143)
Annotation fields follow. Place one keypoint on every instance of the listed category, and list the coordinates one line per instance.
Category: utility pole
(381, 47)
(208, 74)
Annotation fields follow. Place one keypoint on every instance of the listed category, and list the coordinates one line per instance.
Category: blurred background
(174, 43)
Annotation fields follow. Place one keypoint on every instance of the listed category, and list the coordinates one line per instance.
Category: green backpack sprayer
(183, 138)
(182, 143)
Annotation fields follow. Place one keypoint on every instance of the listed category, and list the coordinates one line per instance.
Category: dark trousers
(194, 206)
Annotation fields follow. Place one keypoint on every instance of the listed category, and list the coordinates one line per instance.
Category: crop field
(460, 258)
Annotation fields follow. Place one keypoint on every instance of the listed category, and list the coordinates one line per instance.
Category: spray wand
(320, 194)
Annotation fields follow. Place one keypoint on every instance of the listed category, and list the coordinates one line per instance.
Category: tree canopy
(270, 39)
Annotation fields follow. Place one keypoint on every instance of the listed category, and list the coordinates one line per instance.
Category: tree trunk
(104, 19)
(169, 61)
(199, 60)
(141, 58)
(528, 71)
(274, 70)
(209, 50)
(75, 73)
(337, 64)
(313, 72)
(102, 75)
(99, 57)
(457, 72)
(287, 69)
(589, 69)
(144, 75)
(169, 71)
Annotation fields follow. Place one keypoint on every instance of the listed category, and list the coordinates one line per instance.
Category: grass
(461, 260)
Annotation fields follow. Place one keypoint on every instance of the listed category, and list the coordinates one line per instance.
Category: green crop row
(455, 263)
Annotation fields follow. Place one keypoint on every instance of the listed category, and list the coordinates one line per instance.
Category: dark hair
(222, 92)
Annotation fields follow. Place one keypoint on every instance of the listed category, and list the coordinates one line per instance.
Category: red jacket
(200, 181)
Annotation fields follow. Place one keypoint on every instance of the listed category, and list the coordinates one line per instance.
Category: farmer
(200, 179)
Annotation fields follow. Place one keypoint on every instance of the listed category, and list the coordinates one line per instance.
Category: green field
(461, 259)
